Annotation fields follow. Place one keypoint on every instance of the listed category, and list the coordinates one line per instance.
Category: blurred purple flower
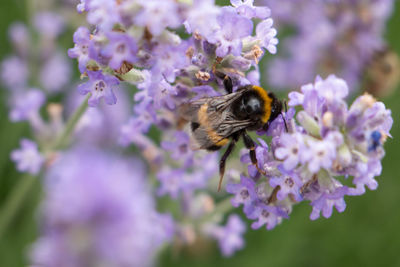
(89, 129)
(28, 157)
(230, 236)
(157, 15)
(55, 73)
(20, 37)
(98, 210)
(338, 37)
(202, 19)
(180, 149)
(14, 73)
(26, 105)
(103, 13)
(49, 24)
(186, 179)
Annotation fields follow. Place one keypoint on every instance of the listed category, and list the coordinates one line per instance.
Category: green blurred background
(366, 234)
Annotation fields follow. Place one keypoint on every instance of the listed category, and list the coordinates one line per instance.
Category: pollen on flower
(367, 100)
(255, 54)
(203, 75)
(327, 119)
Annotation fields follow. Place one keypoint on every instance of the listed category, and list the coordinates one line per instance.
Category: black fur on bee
(217, 121)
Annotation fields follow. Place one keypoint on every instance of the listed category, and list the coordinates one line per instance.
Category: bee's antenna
(283, 117)
(284, 121)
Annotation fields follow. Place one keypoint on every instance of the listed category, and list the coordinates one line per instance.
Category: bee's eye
(253, 105)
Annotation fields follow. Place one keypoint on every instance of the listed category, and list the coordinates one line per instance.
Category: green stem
(12, 205)
(70, 126)
(222, 207)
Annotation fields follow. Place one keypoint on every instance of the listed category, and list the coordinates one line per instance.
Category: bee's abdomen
(213, 148)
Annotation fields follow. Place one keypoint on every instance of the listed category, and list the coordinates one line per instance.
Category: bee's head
(248, 106)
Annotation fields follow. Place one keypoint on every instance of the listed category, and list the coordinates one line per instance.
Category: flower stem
(17, 196)
(221, 207)
(224, 206)
(70, 126)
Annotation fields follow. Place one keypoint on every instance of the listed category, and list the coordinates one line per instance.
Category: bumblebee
(217, 121)
(382, 73)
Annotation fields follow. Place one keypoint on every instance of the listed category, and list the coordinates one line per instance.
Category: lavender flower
(266, 34)
(103, 13)
(157, 15)
(19, 36)
(55, 73)
(289, 150)
(97, 210)
(90, 128)
(154, 47)
(81, 49)
(14, 73)
(326, 202)
(121, 48)
(100, 86)
(49, 24)
(234, 29)
(244, 192)
(305, 163)
(26, 105)
(229, 237)
(28, 157)
(247, 9)
(268, 216)
(319, 154)
(180, 149)
(178, 181)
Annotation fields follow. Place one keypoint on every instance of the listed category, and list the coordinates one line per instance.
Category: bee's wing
(221, 127)
(220, 123)
(189, 111)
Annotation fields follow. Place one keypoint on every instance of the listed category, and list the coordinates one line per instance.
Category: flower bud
(344, 155)
(308, 123)
(133, 76)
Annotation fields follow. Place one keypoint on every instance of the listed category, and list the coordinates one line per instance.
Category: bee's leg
(226, 80)
(283, 117)
(249, 143)
(266, 126)
(228, 151)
